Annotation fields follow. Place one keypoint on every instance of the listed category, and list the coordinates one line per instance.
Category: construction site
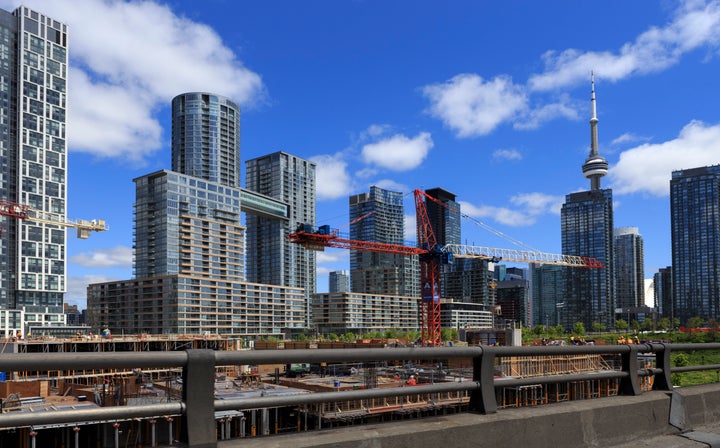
(35, 391)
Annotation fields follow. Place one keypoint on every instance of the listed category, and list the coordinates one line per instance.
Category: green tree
(597, 327)
(579, 329)
(663, 324)
(538, 330)
(635, 325)
(621, 324)
(332, 337)
(696, 322)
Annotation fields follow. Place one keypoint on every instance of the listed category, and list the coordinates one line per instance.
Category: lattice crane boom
(22, 211)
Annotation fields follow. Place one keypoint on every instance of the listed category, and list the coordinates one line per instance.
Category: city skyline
(484, 101)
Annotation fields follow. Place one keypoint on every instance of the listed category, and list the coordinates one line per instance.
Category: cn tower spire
(595, 165)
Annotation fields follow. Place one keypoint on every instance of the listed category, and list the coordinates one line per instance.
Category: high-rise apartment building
(548, 294)
(445, 218)
(33, 167)
(206, 137)
(629, 268)
(271, 258)
(695, 233)
(587, 230)
(339, 281)
(381, 273)
(190, 243)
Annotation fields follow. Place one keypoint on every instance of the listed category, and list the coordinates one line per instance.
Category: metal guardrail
(198, 405)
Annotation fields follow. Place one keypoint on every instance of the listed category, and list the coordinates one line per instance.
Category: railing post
(199, 398)
(662, 361)
(483, 399)
(630, 384)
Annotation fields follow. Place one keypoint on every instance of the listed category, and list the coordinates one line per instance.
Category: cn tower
(595, 165)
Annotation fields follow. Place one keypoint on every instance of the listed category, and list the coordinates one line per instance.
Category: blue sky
(487, 100)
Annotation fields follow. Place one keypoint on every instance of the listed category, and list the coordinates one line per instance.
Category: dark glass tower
(629, 268)
(587, 230)
(695, 232)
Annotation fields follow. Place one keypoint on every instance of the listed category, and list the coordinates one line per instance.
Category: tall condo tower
(33, 167)
(206, 137)
(271, 258)
(695, 234)
(587, 230)
(379, 273)
(629, 268)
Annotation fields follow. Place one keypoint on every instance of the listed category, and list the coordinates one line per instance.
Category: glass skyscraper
(629, 268)
(381, 273)
(33, 167)
(695, 232)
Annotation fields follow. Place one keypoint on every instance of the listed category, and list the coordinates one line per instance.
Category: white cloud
(507, 154)
(648, 168)
(77, 287)
(128, 59)
(331, 177)
(529, 207)
(536, 204)
(536, 117)
(389, 184)
(398, 153)
(628, 138)
(503, 215)
(695, 24)
(409, 228)
(332, 256)
(119, 256)
(473, 107)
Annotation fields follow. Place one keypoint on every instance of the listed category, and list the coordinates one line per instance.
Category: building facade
(629, 268)
(547, 292)
(358, 313)
(206, 137)
(271, 258)
(381, 273)
(587, 230)
(695, 235)
(339, 281)
(33, 167)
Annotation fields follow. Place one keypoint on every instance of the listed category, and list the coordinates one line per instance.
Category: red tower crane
(432, 256)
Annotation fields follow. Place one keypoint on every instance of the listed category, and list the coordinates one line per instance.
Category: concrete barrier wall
(603, 422)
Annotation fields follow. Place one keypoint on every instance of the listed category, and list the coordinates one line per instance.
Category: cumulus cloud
(389, 184)
(332, 179)
(332, 256)
(628, 137)
(507, 154)
(695, 24)
(119, 256)
(647, 168)
(529, 206)
(472, 106)
(536, 204)
(116, 88)
(77, 288)
(398, 153)
(534, 118)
